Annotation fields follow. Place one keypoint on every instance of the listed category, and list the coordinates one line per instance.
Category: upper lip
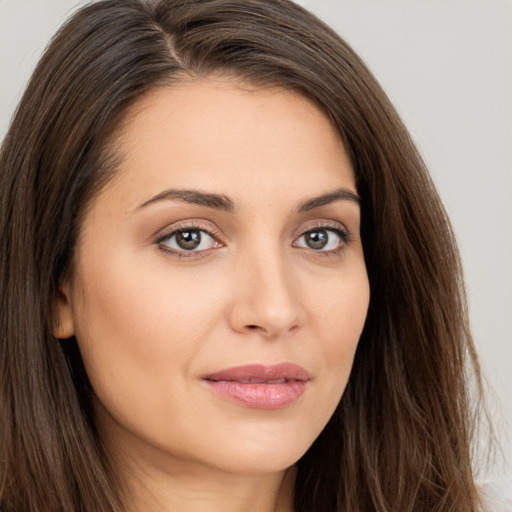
(261, 373)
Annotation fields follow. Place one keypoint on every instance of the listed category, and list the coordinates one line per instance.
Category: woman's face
(219, 288)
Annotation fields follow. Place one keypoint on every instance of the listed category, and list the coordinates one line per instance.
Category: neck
(155, 481)
(199, 489)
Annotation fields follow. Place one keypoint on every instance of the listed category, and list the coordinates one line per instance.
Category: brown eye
(317, 239)
(323, 239)
(188, 240)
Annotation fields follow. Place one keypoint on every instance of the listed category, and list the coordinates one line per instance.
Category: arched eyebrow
(328, 198)
(215, 201)
(224, 203)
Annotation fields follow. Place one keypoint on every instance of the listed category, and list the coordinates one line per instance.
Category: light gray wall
(447, 66)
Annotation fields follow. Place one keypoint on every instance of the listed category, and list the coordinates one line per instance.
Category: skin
(151, 321)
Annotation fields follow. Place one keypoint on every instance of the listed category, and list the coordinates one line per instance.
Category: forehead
(218, 132)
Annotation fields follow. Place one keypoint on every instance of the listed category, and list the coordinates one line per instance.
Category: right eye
(187, 240)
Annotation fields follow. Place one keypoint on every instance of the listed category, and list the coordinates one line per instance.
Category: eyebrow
(224, 203)
(325, 199)
(215, 201)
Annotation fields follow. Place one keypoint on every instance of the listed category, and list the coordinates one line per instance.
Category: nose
(267, 301)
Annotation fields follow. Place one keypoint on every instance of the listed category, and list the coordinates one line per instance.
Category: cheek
(339, 307)
(141, 318)
(138, 331)
(339, 319)
(140, 335)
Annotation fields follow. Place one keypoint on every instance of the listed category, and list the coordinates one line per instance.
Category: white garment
(496, 496)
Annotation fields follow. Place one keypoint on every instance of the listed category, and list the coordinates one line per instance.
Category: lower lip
(259, 395)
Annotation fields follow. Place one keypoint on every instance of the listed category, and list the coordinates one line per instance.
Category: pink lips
(260, 386)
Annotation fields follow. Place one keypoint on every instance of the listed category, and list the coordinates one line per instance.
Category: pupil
(317, 239)
(188, 240)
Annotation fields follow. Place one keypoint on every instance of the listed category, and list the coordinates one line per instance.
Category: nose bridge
(267, 300)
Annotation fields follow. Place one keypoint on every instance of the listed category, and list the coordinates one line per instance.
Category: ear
(64, 327)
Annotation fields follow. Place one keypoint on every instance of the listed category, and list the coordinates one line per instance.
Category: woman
(228, 281)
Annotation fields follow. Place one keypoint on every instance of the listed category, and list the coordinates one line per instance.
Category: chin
(259, 455)
(260, 462)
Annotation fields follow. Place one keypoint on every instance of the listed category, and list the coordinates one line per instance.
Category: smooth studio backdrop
(447, 67)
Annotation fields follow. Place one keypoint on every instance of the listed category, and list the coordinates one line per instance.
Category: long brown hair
(400, 437)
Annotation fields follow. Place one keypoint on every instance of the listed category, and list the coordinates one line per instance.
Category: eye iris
(188, 240)
(317, 239)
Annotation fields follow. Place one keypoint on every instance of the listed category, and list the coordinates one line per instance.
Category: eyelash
(342, 233)
(167, 235)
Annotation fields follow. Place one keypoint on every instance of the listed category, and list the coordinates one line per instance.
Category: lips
(260, 386)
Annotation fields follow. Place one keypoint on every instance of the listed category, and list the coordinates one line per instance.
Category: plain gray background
(447, 66)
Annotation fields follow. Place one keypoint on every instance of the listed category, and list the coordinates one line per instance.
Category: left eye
(321, 240)
(189, 240)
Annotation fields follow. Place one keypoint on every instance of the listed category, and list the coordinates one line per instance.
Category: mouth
(260, 386)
